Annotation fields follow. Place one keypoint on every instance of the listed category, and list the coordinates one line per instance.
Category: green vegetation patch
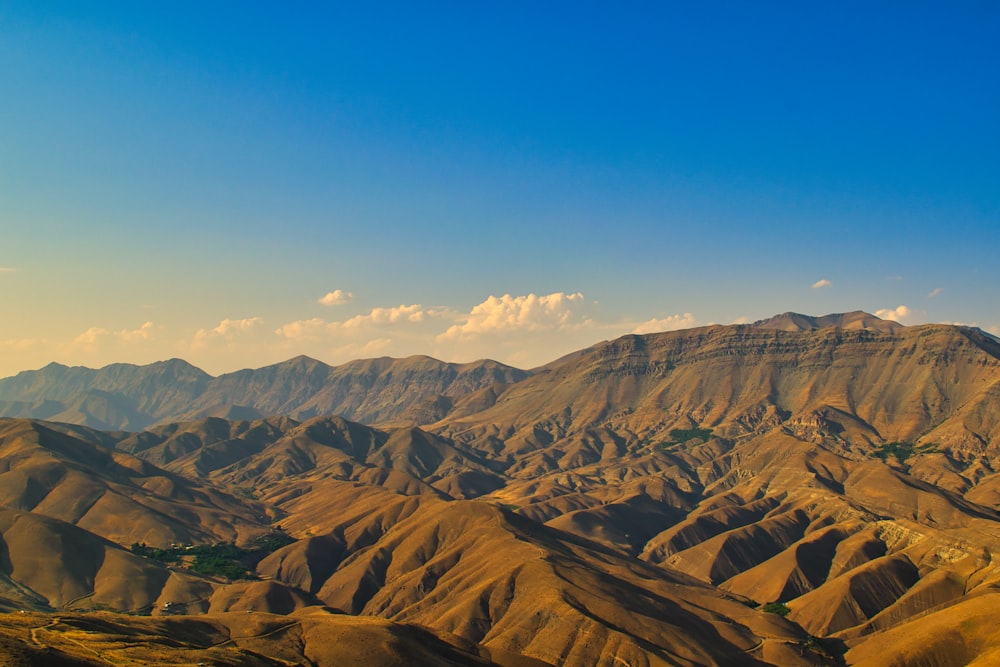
(902, 451)
(778, 608)
(679, 436)
(217, 560)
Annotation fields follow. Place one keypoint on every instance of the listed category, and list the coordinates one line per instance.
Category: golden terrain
(639, 502)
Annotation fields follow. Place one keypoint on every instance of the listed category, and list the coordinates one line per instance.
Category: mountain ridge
(418, 389)
(371, 390)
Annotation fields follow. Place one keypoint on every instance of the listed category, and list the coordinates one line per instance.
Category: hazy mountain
(150, 387)
(127, 397)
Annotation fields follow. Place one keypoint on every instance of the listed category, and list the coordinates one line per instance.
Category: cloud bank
(519, 313)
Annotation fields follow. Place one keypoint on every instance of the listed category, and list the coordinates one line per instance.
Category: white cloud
(228, 329)
(531, 312)
(529, 330)
(94, 335)
(91, 336)
(363, 350)
(377, 319)
(934, 292)
(304, 329)
(820, 284)
(145, 332)
(20, 344)
(995, 329)
(897, 314)
(743, 319)
(337, 297)
(395, 315)
(671, 323)
(7, 269)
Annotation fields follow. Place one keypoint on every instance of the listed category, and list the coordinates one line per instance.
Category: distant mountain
(128, 397)
(150, 387)
(852, 321)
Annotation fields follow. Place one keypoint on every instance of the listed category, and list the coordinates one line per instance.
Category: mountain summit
(852, 321)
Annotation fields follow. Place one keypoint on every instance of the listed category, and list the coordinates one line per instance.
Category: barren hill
(646, 501)
(853, 321)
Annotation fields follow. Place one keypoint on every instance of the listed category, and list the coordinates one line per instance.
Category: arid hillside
(803, 490)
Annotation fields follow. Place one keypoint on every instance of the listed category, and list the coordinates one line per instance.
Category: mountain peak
(301, 360)
(54, 366)
(854, 321)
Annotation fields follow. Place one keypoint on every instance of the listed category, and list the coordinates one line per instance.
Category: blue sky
(481, 179)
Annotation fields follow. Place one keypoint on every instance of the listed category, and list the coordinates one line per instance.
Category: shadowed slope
(257, 640)
(45, 563)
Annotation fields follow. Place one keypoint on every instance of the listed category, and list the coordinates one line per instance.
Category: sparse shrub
(682, 435)
(779, 608)
(899, 450)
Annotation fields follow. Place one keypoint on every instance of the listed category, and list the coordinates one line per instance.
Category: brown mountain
(854, 390)
(853, 321)
(75, 475)
(127, 397)
(313, 636)
(637, 502)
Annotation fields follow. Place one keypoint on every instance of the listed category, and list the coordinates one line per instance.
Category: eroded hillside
(798, 491)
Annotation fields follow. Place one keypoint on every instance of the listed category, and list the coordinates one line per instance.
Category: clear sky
(236, 183)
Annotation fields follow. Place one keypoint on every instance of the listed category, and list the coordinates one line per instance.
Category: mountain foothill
(797, 491)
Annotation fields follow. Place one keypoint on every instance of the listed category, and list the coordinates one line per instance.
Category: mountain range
(129, 397)
(797, 491)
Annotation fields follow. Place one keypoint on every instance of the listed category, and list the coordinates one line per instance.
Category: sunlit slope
(934, 385)
(74, 475)
(473, 570)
